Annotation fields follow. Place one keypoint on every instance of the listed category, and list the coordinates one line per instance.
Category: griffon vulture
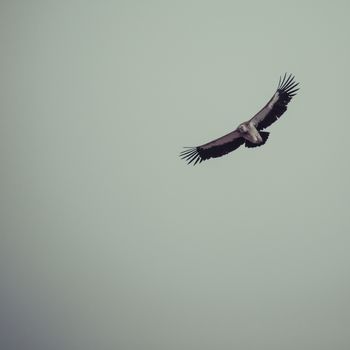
(250, 132)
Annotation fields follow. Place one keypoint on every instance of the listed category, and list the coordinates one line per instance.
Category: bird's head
(242, 128)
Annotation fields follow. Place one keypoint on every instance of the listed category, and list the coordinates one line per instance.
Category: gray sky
(109, 240)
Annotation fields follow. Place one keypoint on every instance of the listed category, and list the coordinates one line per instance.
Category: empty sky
(109, 240)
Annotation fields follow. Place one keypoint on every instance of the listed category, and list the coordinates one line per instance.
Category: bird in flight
(250, 132)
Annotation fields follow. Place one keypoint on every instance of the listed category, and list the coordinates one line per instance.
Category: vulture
(249, 133)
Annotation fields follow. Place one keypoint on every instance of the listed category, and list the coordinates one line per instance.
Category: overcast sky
(109, 240)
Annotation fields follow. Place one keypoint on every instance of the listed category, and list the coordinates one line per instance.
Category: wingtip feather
(191, 155)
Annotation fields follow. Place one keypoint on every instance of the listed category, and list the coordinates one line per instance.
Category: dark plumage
(250, 132)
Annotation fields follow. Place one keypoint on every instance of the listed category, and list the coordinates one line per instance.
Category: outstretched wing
(277, 105)
(213, 149)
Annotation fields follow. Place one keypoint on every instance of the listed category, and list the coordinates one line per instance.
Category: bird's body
(250, 132)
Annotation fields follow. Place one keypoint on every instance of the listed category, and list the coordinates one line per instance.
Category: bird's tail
(264, 135)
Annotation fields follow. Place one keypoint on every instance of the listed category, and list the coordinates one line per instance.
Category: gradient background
(109, 240)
